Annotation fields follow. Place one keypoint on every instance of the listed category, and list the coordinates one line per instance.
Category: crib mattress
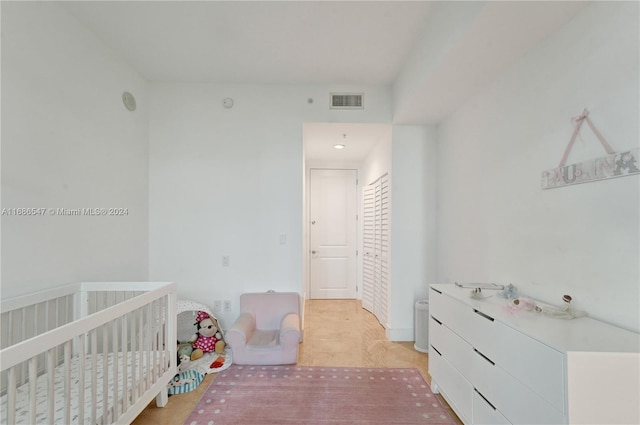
(42, 405)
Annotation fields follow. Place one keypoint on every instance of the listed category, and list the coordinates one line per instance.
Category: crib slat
(33, 389)
(57, 310)
(141, 349)
(154, 341)
(133, 340)
(83, 364)
(51, 393)
(23, 332)
(105, 373)
(63, 310)
(57, 319)
(11, 396)
(11, 336)
(67, 382)
(116, 375)
(47, 319)
(94, 377)
(37, 320)
(161, 343)
(23, 324)
(125, 375)
(148, 347)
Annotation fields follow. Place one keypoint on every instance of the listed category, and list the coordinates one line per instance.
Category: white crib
(87, 353)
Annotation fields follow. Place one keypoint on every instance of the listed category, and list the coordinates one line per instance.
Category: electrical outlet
(227, 305)
(225, 261)
(217, 305)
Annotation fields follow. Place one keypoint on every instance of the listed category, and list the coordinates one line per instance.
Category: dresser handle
(437, 321)
(485, 399)
(434, 349)
(433, 289)
(485, 357)
(483, 315)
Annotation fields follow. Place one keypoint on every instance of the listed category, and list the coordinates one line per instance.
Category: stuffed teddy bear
(208, 338)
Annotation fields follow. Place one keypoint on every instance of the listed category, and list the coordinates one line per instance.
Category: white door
(332, 233)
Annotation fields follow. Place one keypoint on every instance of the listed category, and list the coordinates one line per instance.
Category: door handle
(314, 252)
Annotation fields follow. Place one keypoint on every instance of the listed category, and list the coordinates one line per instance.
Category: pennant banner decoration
(610, 166)
(613, 165)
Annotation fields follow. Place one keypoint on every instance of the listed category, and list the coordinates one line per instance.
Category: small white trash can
(422, 326)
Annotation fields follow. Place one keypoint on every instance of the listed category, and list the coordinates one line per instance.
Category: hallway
(342, 333)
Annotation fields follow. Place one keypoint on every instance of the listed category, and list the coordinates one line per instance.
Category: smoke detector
(129, 101)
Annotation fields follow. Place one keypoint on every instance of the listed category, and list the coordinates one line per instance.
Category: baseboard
(400, 334)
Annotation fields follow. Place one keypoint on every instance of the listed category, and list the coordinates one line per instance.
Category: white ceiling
(359, 139)
(434, 54)
(271, 42)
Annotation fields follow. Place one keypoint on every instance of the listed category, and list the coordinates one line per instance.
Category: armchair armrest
(241, 330)
(290, 330)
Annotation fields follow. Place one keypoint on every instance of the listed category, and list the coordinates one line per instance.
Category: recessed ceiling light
(339, 146)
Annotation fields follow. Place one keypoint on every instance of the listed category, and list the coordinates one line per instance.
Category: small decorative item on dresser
(563, 312)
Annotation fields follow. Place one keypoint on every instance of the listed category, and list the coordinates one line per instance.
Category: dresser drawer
(485, 413)
(538, 366)
(518, 403)
(455, 388)
(452, 313)
(456, 350)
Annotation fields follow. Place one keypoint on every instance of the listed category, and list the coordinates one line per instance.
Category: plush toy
(184, 352)
(209, 337)
(183, 362)
(184, 349)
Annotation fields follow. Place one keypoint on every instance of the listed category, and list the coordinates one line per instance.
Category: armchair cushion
(267, 332)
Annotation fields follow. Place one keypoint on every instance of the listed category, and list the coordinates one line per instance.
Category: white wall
(408, 154)
(68, 142)
(378, 162)
(413, 220)
(229, 182)
(494, 221)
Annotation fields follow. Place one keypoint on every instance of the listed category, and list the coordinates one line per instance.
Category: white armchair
(268, 329)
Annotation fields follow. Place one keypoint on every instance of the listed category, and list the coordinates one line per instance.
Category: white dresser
(497, 366)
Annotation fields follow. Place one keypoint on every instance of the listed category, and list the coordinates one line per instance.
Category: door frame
(306, 253)
(350, 174)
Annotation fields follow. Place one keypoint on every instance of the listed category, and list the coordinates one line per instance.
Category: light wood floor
(336, 333)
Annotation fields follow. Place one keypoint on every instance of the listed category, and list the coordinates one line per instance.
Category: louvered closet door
(375, 261)
(368, 245)
(377, 246)
(382, 233)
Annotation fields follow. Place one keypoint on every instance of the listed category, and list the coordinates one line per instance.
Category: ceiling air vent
(347, 101)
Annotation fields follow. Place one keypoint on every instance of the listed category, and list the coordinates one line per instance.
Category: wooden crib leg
(162, 398)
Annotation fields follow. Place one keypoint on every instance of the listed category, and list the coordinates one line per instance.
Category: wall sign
(613, 165)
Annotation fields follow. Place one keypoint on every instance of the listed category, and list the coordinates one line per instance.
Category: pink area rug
(280, 395)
